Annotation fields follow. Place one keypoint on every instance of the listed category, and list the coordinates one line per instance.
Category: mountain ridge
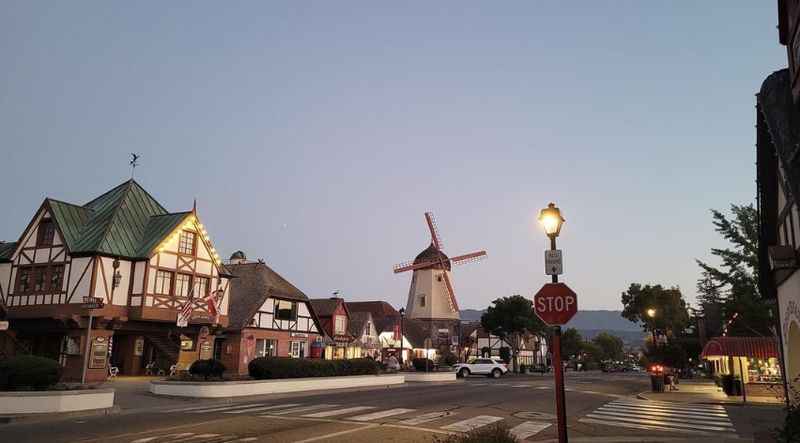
(590, 319)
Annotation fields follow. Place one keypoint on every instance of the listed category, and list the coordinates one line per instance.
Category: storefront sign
(138, 347)
(99, 353)
(205, 350)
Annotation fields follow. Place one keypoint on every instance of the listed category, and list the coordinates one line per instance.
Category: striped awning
(751, 347)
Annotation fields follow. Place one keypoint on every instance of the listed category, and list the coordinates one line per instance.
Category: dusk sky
(315, 135)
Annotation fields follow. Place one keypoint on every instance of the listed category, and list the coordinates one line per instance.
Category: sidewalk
(705, 391)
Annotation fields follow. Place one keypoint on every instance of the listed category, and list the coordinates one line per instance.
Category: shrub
(448, 359)
(207, 368)
(790, 431)
(28, 371)
(505, 354)
(523, 368)
(488, 434)
(264, 368)
(423, 364)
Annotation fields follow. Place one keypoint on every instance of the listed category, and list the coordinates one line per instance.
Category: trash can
(657, 382)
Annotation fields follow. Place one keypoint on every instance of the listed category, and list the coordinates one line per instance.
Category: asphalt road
(598, 405)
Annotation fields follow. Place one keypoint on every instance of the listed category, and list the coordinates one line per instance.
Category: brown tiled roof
(254, 283)
(384, 316)
(357, 322)
(324, 307)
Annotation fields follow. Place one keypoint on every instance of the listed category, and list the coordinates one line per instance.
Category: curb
(45, 417)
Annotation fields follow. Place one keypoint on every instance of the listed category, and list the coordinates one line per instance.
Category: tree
(571, 343)
(671, 315)
(731, 289)
(609, 347)
(510, 318)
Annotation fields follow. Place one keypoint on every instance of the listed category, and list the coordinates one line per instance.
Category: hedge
(423, 364)
(207, 368)
(264, 368)
(28, 372)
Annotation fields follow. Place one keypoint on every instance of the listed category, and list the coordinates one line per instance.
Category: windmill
(431, 295)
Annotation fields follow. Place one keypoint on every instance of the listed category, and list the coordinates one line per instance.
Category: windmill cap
(432, 254)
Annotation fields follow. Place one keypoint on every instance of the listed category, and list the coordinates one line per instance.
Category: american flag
(186, 313)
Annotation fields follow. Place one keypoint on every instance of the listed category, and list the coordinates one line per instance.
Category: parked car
(491, 367)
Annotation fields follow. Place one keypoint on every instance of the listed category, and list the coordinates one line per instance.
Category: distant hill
(589, 324)
(602, 320)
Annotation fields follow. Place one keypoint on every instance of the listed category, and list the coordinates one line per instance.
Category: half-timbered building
(141, 261)
(269, 317)
(335, 320)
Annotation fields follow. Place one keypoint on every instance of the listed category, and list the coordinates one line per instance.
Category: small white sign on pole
(553, 262)
(3, 325)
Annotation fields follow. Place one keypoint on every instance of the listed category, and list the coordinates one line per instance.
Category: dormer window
(186, 243)
(46, 233)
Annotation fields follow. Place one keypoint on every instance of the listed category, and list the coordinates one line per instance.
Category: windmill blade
(468, 258)
(410, 266)
(449, 286)
(437, 241)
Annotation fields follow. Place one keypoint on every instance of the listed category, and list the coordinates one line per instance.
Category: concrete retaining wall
(41, 402)
(430, 376)
(260, 387)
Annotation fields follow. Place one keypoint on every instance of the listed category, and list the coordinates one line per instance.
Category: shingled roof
(357, 322)
(384, 316)
(125, 222)
(255, 283)
(6, 249)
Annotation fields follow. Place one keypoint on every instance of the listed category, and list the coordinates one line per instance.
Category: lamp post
(651, 312)
(551, 220)
(402, 334)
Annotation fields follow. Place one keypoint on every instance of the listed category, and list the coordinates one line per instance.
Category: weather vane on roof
(134, 162)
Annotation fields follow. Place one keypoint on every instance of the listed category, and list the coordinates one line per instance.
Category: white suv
(492, 367)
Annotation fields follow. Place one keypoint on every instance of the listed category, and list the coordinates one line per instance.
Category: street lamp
(551, 220)
(651, 312)
(402, 333)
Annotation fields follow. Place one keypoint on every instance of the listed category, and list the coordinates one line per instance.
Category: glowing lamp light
(651, 312)
(551, 220)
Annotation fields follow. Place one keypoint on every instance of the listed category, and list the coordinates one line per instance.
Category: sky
(316, 134)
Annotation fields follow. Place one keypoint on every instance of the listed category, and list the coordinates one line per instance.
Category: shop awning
(751, 347)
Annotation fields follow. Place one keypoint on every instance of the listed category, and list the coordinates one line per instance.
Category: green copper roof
(6, 249)
(125, 221)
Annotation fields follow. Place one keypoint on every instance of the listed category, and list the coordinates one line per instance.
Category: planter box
(260, 387)
(43, 402)
(430, 376)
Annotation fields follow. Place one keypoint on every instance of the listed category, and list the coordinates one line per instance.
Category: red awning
(752, 347)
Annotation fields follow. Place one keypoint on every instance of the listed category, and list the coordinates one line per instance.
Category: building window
(422, 301)
(186, 243)
(46, 233)
(297, 349)
(163, 282)
(286, 310)
(266, 348)
(341, 325)
(39, 279)
(24, 280)
(182, 284)
(56, 278)
(201, 287)
(187, 344)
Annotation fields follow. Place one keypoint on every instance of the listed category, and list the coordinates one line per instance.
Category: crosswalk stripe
(641, 426)
(225, 408)
(472, 423)
(261, 408)
(544, 387)
(302, 409)
(666, 417)
(336, 412)
(668, 408)
(528, 428)
(671, 403)
(425, 418)
(520, 386)
(381, 414)
(661, 422)
(681, 407)
(698, 415)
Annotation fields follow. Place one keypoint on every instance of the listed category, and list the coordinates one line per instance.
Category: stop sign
(555, 303)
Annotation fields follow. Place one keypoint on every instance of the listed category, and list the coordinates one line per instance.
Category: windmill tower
(431, 296)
